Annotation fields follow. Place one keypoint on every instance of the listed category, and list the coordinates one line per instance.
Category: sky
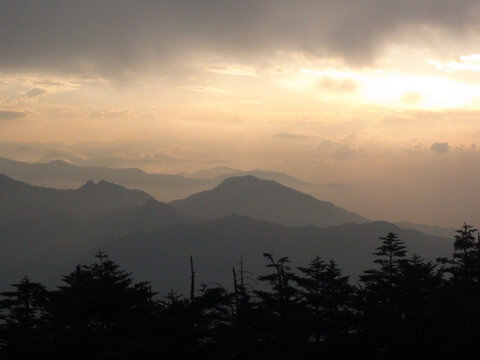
(382, 96)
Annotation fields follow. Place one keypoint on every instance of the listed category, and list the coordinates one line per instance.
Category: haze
(377, 100)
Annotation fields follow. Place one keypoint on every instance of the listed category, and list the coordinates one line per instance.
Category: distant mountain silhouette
(217, 244)
(60, 174)
(165, 187)
(88, 201)
(221, 173)
(124, 220)
(428, 229)
(214, 172)
(43, 229)
(264, 200)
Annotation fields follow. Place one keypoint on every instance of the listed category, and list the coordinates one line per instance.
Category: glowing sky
(357, 91)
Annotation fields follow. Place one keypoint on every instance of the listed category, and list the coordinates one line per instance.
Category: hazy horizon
(379, 97)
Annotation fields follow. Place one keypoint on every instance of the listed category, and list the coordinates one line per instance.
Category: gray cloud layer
(440, 148)
(115, 36)
(11, 115)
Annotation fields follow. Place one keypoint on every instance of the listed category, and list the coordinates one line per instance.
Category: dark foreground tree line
(404, 307)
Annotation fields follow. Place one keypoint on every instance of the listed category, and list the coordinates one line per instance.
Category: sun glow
(402, 90)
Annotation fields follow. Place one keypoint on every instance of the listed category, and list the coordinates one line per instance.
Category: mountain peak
(245, 179)
(60, 163)
(102, 184)
(264, 200)
(88, 184)
(4, 177)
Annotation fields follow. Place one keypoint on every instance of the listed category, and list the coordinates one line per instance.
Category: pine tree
(388, 256)
(377, 297)
(419, 303)
(280, 280)
(326, 296)
(99, 311)
(276, 312)
(462, 293)
(22, 330)
(467, 255)
(244, 331)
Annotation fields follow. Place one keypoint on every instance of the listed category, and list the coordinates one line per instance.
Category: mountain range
(41, 229)
(218, 244)
(44, 232)
(265, 200)
(164, 187)
(86, 202)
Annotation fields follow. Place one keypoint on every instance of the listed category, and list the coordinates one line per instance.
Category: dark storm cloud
(111, 37)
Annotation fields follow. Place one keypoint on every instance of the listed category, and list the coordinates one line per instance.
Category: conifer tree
(377, 297)
(326, 297)
(99, 311)
(276, 313)
(467, 255)
(388, 256)
(419, 303)
(280, 280)
(22, 332)
(462, 293)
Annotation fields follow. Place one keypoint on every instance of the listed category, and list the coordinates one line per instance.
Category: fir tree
(326, 296)
(100, 311)
(22, 333)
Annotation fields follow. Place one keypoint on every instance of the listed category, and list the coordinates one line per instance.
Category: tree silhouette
(418, 302)
(402, 308)
(99, 312)
(388, 256)
(378, 298)
(466, 255)
(281, 331)
(326, 299)
(462, 293)
(22, 334)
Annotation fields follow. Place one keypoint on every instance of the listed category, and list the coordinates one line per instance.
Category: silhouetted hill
(214, 172)
(61, 174)
(88, 201)
(222, 173)
(428, 229)
(264, 200)
(150, 216)
(42, 229)
(216, 245)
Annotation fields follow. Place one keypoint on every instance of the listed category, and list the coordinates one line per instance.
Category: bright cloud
(461, 63)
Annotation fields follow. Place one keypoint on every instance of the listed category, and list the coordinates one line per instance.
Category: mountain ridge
(217, 245)
(164, 187)
(265, 200)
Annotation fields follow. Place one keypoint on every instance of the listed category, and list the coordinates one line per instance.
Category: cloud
(12, 115)
(440, 148)
(345, 151)
(412, 98)
(251, 102)
(36, 92)
(460, 63)
(327, 144)
(338, 85)
(231, 69)
(292, 135)
(114, 38)
(341, 150)
(207, 89)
